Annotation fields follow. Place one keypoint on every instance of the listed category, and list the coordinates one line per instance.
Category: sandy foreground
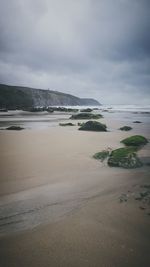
(60, 207)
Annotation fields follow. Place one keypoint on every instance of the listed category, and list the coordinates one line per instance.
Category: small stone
(142, 208)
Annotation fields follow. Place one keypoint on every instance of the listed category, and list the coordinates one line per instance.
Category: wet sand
(61, 207)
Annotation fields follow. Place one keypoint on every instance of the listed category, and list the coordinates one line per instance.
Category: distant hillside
(17, 97)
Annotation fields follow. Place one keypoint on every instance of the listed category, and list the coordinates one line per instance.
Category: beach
(61, 207)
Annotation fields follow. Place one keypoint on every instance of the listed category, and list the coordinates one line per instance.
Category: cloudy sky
(89, 48)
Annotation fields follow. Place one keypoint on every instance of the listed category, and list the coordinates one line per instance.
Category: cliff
(16, 97)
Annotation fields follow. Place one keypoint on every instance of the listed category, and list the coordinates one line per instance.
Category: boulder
(135, 140)
(125, 128)
(86, 110)
(67, 124)
(93, 126)
(14, 128)
(85, 116)
(124, 157)
(101, 155)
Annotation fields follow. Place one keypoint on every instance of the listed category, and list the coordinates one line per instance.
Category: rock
(138, 196)
(124, 157)
(146, 186)
(14, 128)
(135, 140)
(137, 122)
(123, 198)
(101, 155)
(85, 116)
(50, 110)
(38, 109)
(3, 110)
(93, 126)
(142, 208)
(125, 128)
(86, 110)
(80, 123)
(67, 124)
(145, 194)
(64, 109)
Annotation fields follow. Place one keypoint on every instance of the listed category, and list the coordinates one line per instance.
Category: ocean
(41, 120)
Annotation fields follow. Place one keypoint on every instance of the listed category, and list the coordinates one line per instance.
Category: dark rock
(146, 186)
(124, 157)
(3, 110)
(50, 110)
(101, 155)
(36, 109)
(142, 208)
(86, 110)
(125, 128)
(144, 194)
(80, 123)
(15, 128)
(138, 196)
(123, 198)
(64, 109)
(85, 116)
(67, 124)
(137, 122)
(93, 126)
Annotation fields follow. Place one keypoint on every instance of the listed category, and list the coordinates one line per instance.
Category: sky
(88, 48)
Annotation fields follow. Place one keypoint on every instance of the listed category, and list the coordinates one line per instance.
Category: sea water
(30, 120)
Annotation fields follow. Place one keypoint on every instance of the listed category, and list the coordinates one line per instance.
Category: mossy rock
(101, 155)
(125, 128)
(124, 157)
(67, 124)
(64, 109)
(35, 109)
(135, 140)
(80, 123)
(50, 110)
(93, 126)
(86, 110)
(85, 116)
(15, 128)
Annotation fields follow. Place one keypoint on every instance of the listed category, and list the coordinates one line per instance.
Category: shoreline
(62, 207)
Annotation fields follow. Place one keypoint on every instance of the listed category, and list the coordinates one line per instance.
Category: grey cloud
(88, 48)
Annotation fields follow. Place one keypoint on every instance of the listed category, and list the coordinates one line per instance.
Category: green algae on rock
(101, 155)
(93, 126)
(86, 110)
(125, 157)
(125, 128)
(85, 116)
(135, 140)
